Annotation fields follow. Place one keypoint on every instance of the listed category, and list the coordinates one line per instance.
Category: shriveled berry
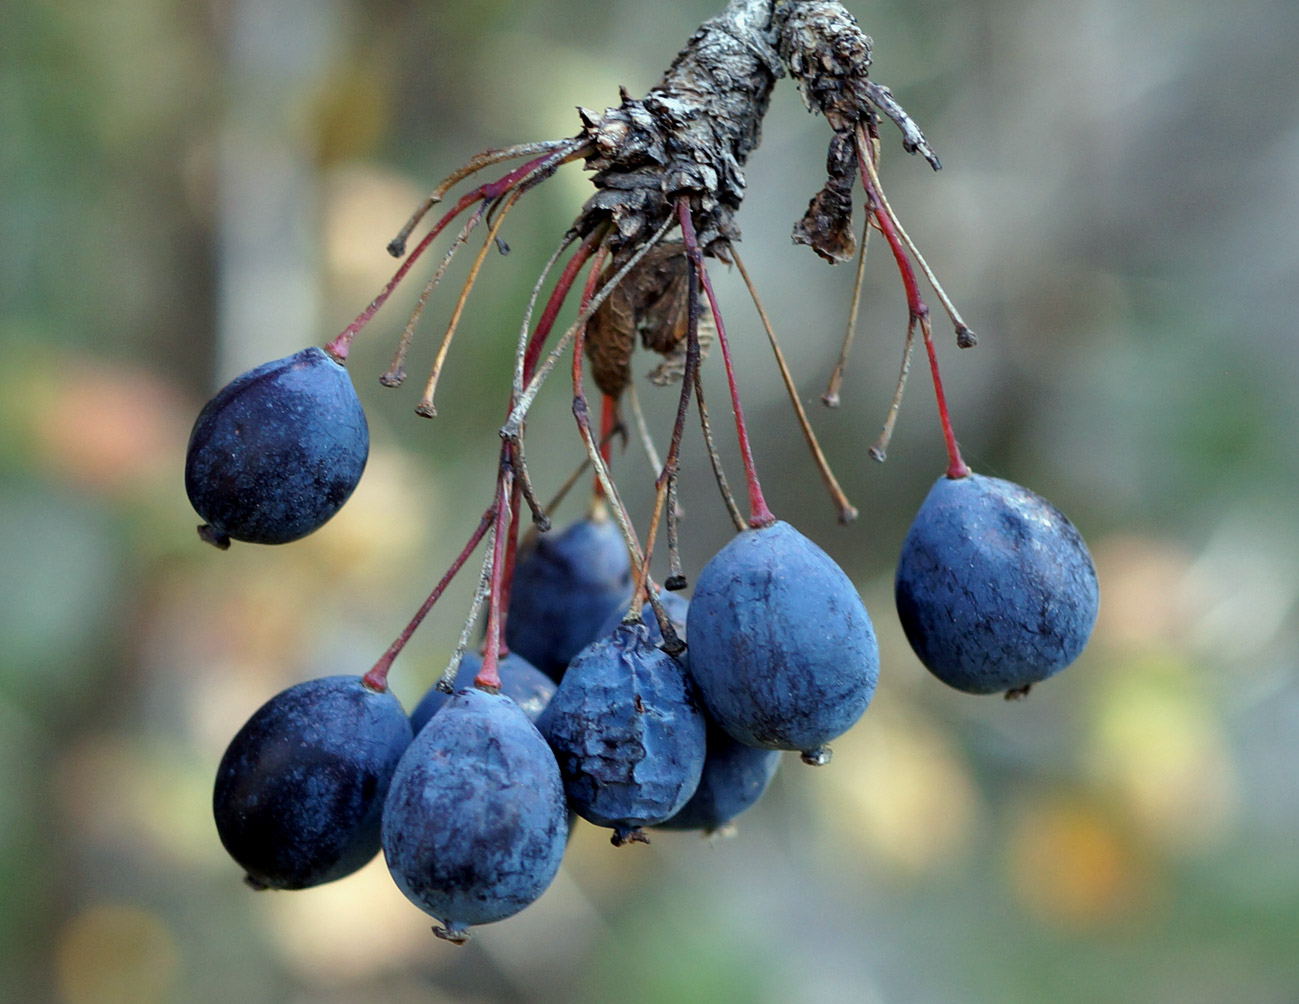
(565, 588)
(734, 775)
(780, 644)
(521, 681)
(277, 451)
(627, 732)
(299, 792)
(475, 823)
(995, 588)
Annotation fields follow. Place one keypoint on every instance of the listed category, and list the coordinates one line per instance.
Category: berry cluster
(596, 691)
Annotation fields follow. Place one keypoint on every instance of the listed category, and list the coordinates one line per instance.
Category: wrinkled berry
(780, 644)
(522, 682)
(628, 735)
(995, 588)
(475, 824)
(566, 586)
(300, 790)
(734, 775)
(277, 451)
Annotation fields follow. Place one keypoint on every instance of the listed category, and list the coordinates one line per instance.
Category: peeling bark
(692, 133)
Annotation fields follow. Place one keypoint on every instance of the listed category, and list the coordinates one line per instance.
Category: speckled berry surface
(627, 732)
(475, 824)
(521, 681)
(781, 646)
(299, 792)
(566, 586)
(995, 588)
(277, 451)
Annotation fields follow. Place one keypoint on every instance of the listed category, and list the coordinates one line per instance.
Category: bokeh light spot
(115, 954)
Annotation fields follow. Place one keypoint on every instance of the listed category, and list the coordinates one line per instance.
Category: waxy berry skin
(522, 682)
(277, 451)
(781, 647)
(300, 789)
(475, 824)
(995, 588)
(627, 732)
(565, 588)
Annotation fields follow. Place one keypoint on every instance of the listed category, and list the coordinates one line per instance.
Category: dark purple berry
(628, 735)
(995, 588)
(780, 644)
(277, 451)
(734, 778)
(522, 682)
(565, 588)
(475, 823)
(299, 793)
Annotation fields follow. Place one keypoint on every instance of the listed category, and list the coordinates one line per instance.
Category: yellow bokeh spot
(137, 802)
(115, 954)
(1157, 744)
(346, 931)
(1073, 864)
(1144, 600)
(363, 206)
(899, 788)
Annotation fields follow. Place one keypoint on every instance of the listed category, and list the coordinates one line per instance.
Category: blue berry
(277, 451)
(995, 588)
(734, 778)
(734, 775)
(300, 790)
(676, 606)
(522, 682)
(565, 588)
(475, 823)
(780, 644)
(627, 732)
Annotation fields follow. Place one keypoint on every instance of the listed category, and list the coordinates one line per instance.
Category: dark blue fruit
(734, 778)
(521, 681)
(995, 588)
(277, 452)
(565, 588)
(734, 775)
(780, 644)
(475, 823)
(300, 790)
(628, 735)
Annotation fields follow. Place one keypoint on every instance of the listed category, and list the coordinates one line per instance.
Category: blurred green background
(188, 189)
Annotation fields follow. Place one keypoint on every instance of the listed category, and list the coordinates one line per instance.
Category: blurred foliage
(189, 189)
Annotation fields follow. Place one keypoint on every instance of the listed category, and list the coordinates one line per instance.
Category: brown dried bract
(610, 338)
(826, 227)
(653, 301)
(829, 56)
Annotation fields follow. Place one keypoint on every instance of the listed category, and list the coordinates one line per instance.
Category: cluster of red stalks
(490, 204)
